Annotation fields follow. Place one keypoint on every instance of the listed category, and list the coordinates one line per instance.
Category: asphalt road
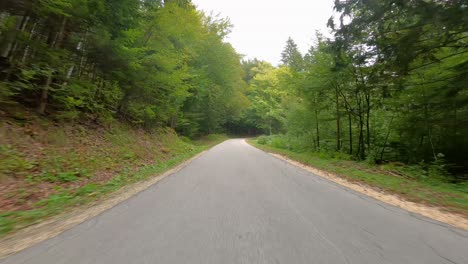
(236, 204)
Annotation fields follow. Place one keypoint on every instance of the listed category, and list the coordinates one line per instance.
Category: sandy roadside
(425, 210)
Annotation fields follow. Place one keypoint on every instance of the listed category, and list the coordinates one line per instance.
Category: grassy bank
(48, 168)
(410, 182)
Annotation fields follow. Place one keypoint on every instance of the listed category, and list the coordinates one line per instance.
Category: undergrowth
(48, 168)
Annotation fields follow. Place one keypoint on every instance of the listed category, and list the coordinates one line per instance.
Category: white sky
(261, 27)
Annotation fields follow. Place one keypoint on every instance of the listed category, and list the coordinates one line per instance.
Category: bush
(263, 140)
(280, 141)
(185, 139)
(437, 170)
(341, 156)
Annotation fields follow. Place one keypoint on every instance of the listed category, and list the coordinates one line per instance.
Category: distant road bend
(237, 204)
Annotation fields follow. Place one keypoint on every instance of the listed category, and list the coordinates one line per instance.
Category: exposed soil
(56, 148)
(37, 233)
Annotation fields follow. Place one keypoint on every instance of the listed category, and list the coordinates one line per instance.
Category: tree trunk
(386, 139)
(10, 36)
(361, 146)
(20, 27)
(45, 89)
(350, 133)
(455, 125)
(44, 95)
(368, 109)
(361, 138)
(426, 121)
(28, 47)
(349, 110)
(338, 125)
(59, 37)
(269, 126)
(317, 130)
(3, 16)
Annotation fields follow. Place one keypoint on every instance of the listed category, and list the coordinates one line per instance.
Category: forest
(388, 86)
(101, 99)
(149, 63)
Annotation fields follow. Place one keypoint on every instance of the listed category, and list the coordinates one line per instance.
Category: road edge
(431, 212)
(53, 227)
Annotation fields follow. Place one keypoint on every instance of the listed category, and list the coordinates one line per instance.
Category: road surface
(237, 204)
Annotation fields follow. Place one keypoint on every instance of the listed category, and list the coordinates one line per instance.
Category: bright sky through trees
(261, 27)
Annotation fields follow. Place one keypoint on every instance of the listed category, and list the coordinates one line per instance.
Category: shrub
(185, 139)
(263, 140)
(280, 141)
(341, 156)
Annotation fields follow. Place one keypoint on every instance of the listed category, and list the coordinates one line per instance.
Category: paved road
(236, 204)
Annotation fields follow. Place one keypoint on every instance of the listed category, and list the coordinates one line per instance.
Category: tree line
(389, 85)
(150, 63)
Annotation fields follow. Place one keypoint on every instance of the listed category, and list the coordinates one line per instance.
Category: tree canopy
(150, 63)
(388, 86)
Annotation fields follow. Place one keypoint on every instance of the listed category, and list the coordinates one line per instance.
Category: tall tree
(291, 56)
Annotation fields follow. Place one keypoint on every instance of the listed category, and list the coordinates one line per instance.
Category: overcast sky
(261, 27)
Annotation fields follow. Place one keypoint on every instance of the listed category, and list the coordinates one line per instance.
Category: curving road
(236, 204)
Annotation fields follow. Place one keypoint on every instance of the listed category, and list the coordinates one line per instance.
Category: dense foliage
(391, 85)
(152, 62)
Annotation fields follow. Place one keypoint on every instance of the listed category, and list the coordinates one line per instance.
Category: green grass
(12, 163)
(407, 183)
(67, 199)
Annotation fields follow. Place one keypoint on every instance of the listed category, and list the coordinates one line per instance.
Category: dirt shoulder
(432, 212)
(54, 226)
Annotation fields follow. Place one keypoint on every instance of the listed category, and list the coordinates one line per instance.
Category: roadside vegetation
(383, 101)
(370, 96)
(48, 168)
(423, 183)
(147, 63)
(98, 94)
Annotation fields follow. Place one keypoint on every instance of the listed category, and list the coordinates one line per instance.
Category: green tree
(291, 56)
